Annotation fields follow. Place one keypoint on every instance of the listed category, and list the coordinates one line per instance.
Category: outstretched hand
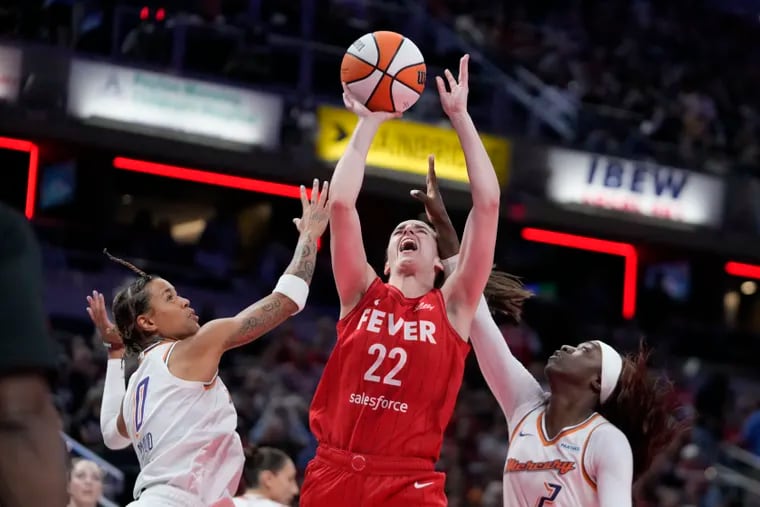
(315, 215)
(431, 198)
(355, 106)
(446, 235)
(96, 309)
(454, 101)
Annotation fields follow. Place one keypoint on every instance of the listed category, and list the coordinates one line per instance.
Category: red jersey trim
(360, 304)
(439, 296)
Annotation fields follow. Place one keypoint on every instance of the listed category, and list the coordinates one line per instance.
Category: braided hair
(505, 294)
(131, 301)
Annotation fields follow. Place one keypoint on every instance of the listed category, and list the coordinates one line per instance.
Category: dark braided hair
(644, 408)
(506, 294)
(131, 301)
(261, 459)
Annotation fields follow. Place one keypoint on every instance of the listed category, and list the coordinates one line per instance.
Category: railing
(113, 486)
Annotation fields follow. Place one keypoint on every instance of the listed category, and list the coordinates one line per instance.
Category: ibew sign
(639, 187)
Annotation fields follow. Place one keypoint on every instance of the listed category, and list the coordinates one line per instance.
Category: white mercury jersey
(182, 431)
(561, 471)
(586, 465)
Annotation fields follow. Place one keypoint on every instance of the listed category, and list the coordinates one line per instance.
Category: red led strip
(625, 250)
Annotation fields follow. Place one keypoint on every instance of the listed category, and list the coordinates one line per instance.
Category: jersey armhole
(360, 304)
(586, 476)
(442, 301)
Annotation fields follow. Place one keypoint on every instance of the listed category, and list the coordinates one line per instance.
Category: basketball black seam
(385, 72)
(362, 59)
(409, 67)
(372, 93)
(404, 84)
(395, 53)
(364, 77)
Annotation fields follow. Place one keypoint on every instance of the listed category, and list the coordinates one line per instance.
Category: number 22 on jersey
(396, 353)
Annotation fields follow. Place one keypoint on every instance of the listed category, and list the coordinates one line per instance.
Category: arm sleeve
(110, 408)
(511, 383)
(608, 460)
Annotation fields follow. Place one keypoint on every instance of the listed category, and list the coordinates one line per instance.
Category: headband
(612, 367)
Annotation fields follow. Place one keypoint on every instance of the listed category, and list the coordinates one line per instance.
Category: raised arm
(352, 273)
(112, 425)
(197, 358)
(463, 288)
(511, 383)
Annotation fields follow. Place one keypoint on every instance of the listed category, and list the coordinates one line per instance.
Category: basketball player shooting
(604, 420)
(176, 412)
(389, 388)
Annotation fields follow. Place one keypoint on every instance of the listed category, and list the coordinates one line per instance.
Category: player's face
(282, 485)
(413, 245)
(579, 364)
(170, 315)
(86, 483)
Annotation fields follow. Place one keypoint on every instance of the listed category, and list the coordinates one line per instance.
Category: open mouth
(407, 245)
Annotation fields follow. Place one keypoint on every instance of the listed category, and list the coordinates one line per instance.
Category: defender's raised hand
(454, 101)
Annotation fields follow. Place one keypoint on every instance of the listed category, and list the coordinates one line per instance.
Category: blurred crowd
(674, 80)
(272, 380)
(647, 74)
(670, 79)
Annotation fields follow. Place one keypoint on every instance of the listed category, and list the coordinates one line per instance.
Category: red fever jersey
(392, 380)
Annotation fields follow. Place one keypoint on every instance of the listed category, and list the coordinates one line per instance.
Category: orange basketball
(384, 70)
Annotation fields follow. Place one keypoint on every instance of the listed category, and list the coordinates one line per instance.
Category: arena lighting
(743, 270)
(32, 170)
(625, 250)
(211, 178)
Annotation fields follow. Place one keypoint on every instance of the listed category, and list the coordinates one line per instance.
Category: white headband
(612, 367)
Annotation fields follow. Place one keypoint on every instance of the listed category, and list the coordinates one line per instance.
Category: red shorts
(336, 478)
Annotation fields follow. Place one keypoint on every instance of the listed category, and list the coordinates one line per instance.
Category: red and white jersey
(182, 431)
(561, 471)
(392, 380)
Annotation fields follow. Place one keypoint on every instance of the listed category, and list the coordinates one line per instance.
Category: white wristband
(450, 264)
(294, 288)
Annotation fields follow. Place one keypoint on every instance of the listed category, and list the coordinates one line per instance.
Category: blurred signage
(176, 106)
(639, 187)
(10, 73)
(404, 146)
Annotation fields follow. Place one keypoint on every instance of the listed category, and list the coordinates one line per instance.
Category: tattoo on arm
(304, 258)
(273, 310)
(260, 318)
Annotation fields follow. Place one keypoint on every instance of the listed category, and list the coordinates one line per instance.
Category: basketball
(385, 71)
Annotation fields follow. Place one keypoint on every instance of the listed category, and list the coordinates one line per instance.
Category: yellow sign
(405, 146)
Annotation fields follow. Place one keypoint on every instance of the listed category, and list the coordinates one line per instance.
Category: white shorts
(162, 495)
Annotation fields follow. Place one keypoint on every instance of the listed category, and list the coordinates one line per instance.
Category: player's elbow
(339, 205)
(488, 200)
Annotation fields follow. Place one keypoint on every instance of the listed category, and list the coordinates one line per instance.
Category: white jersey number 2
(382, 353)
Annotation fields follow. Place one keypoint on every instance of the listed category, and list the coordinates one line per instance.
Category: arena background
(625, 133)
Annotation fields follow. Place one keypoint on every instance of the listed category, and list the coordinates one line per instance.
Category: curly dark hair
(643, 407)
(130, 302)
